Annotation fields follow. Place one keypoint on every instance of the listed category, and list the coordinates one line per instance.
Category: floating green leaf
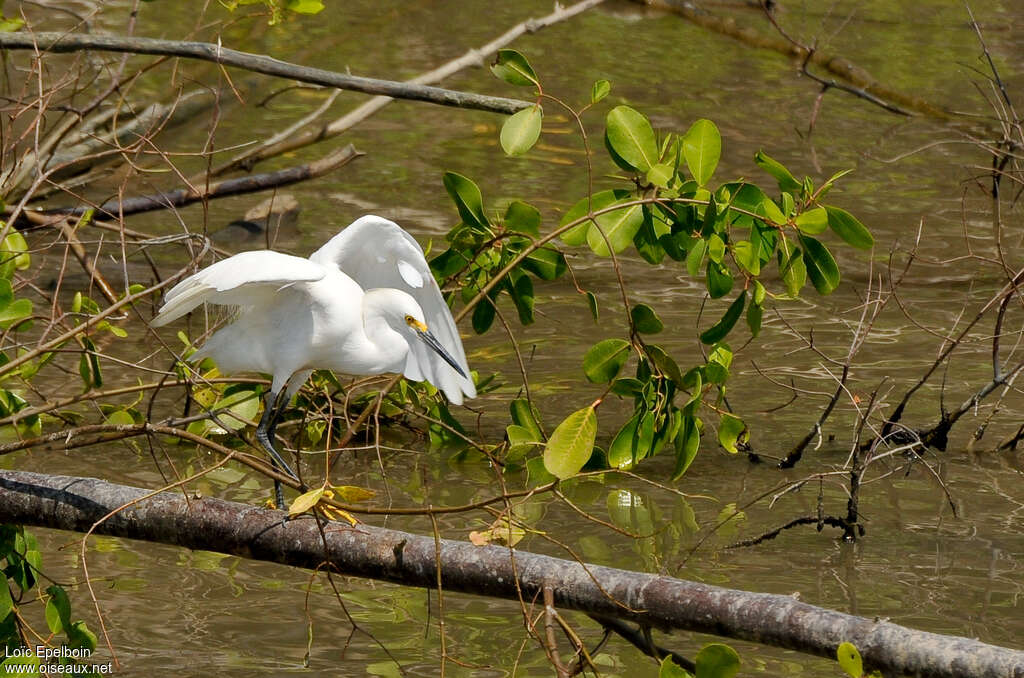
(821, 267)
(521, 131)
(617, 228)
(787, 182)
(631, 136)
(604, 360)
(716, 660)
(849, 229)
(571, 444)
(702, 148)
(731, 430)
(717, 332)
(599, 91)
(467, 198)
(645, 320)
(513, 68)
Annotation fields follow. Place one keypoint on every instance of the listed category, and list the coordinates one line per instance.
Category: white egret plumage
(364, 303)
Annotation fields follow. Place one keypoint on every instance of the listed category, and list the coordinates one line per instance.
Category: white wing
(377, 253)
(240, 280)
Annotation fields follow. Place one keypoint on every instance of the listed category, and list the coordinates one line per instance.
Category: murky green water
(920, 565)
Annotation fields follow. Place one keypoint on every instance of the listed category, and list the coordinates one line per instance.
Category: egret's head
(405, 316)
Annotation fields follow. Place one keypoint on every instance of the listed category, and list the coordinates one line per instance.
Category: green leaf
(524, 414)
(702, 147)
(695, 257)
(604, 360)
(577, 235)
(522, 217)
(627, 387)
(305, 6)
(849, 229)
(522, 296)
(15, 312)
(821, 267)
(571, 444)
(669, 669)
(719, 280)
(687, 443)
(599, 91)
(631, 136)
(239, 407)
(6, 293)
(483, 315)
(14, 249)
(622, 451)
(645, 320)
(25, 661)
(793, 270)
(787, 182)
(813, 221)
(717, 332)
(716, 660)
(545, 263)
(467, 198)
(79, 635)
(731, 430)
(10, 25)
(850, 660)
(592, 303)
(664, 362)
(521, 131)
(661, 175)
(754, 314)
(716, 248)
(748, 256)
(616, 228)
(513, 68)
(58, 609)
(6, 602)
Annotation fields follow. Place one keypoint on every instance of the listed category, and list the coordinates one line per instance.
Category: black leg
(265, 436)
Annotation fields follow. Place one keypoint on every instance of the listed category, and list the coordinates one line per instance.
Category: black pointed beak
(431, 341)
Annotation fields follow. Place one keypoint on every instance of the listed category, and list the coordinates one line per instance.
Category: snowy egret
(364, 303)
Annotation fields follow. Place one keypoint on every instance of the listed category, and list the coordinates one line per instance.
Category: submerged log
(71, 503)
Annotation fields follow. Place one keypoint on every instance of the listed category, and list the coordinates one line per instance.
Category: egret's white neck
(388, 346)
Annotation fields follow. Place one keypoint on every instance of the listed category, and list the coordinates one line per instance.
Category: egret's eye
(415, 324)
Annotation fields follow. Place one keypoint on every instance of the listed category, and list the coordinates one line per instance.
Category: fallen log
(72, 503)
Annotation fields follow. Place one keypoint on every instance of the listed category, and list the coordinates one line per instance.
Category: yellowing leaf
(306, 501)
